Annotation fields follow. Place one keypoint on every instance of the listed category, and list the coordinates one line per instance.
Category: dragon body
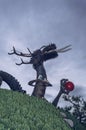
(11, 81)
(37, 59)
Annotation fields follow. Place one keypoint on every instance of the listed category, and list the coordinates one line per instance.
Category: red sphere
(69, 86)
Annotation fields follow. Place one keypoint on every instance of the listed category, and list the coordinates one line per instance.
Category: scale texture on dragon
(11, 81)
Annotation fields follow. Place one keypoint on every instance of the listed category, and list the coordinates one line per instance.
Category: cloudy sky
(33, 23)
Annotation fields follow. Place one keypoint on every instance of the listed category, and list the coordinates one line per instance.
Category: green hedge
(21, 112)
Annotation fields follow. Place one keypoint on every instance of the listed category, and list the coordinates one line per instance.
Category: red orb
(69, 86)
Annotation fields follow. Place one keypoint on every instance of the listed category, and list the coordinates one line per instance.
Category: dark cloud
(33, 23)
(77, 6)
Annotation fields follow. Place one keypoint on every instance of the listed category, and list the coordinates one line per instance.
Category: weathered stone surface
(70, 122)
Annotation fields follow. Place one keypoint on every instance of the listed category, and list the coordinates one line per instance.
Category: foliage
(77, 125)
(21, 112)
(77, 108)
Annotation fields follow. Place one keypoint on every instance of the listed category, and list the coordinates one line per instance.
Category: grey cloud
(80, 91)
(33, 23)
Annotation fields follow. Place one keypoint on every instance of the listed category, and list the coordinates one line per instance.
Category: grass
(22, 112)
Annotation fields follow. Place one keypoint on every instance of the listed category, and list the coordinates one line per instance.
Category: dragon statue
(37, 59)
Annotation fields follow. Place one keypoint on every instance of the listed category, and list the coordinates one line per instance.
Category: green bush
(77, 124)
(22, 112)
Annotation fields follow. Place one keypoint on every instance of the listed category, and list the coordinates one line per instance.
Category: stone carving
(37, 58)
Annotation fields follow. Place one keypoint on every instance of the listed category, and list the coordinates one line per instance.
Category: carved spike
(64, 49)
(23, 62)
(29, 51)
(14, 51)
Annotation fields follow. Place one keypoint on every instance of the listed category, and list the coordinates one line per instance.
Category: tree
(78, 107)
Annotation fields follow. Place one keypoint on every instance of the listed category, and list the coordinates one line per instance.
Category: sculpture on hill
(37, 58)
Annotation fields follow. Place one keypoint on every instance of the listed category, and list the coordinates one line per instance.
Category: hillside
(21, 112)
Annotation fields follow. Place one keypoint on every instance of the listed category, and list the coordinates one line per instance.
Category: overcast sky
(34, 23)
